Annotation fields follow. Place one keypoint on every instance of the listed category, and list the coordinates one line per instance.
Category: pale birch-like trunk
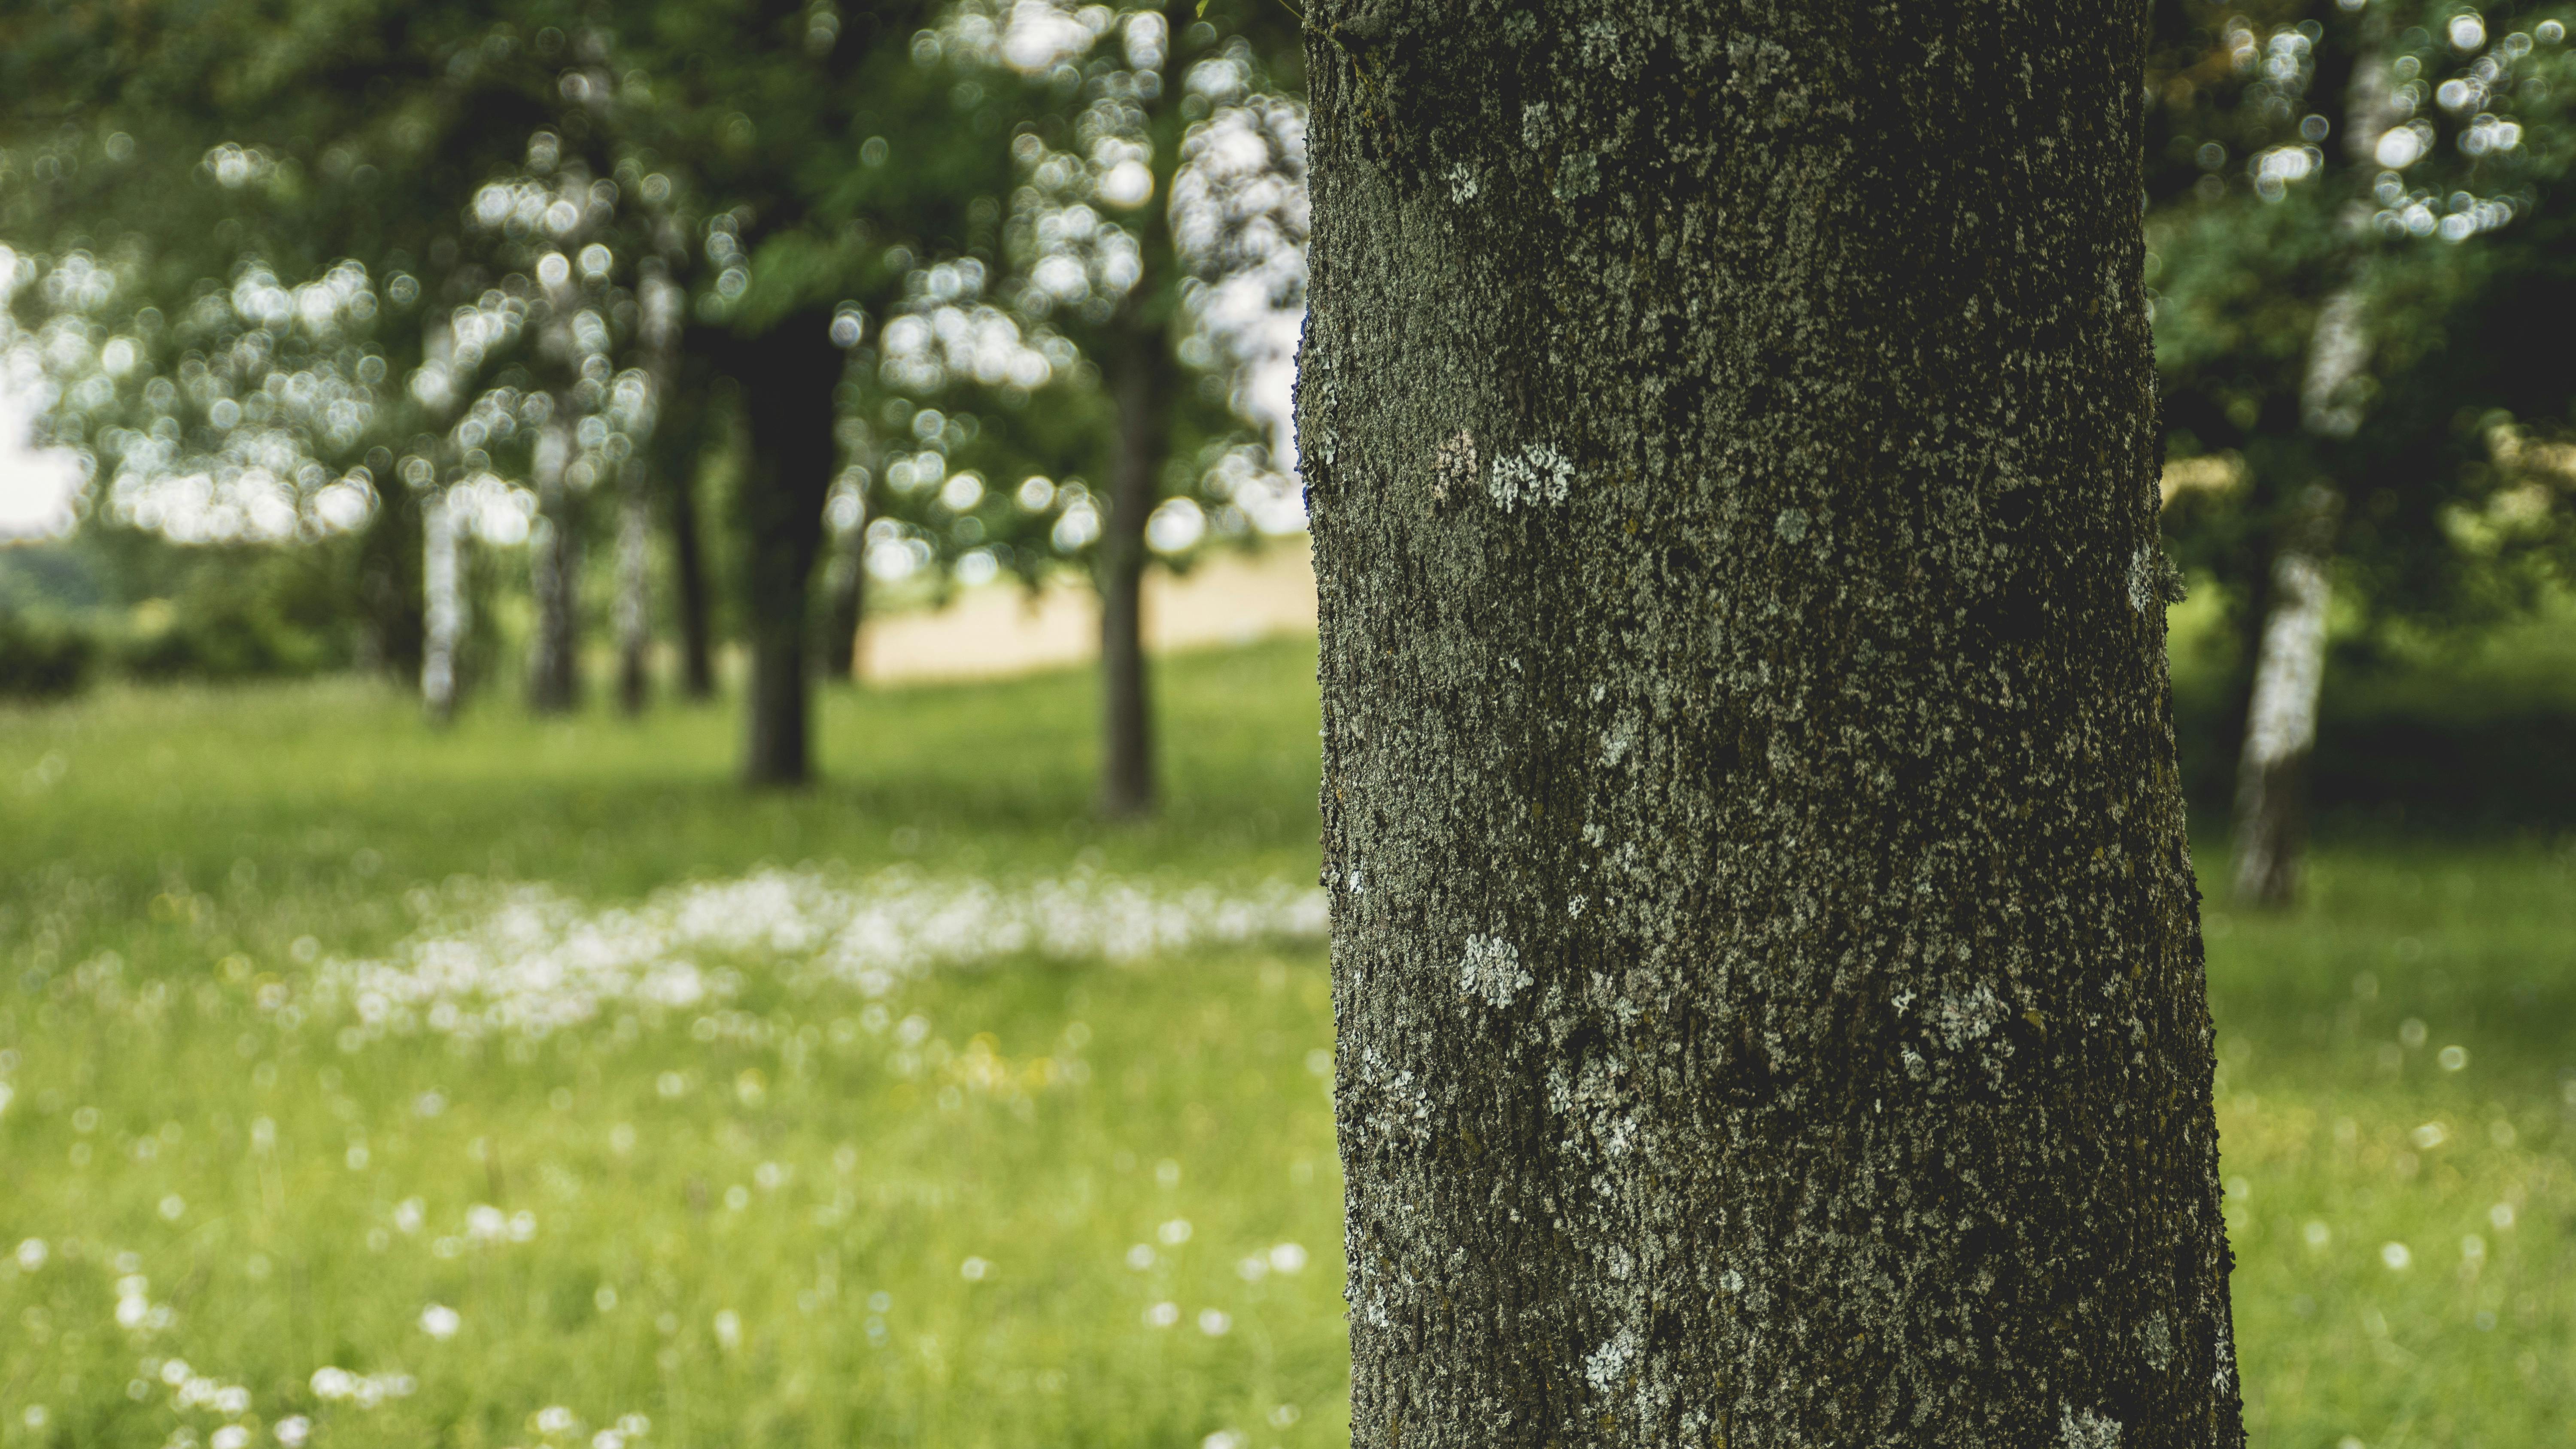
(440, 386)
(554, 679)
(1767, 972)
(845, 597)
(2290, 664)
(445, 620)
(2271, 825)
(2281, 722)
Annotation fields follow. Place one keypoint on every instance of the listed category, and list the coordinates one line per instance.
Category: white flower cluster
(539, 961)
(135, 1310)
(339, 1386)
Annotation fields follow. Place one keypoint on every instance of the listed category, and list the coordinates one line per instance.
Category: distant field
(530, 1085)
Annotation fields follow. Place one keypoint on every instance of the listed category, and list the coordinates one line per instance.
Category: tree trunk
(1766, 958)
(391, 624)
(443, 587)
(787, 379)
(634, 586)
(554, 575)
(1138, 353)
(1140, 388)
(679, 442)
(2290, 666)
(837, 651)
(2281, 720)
(659, 301)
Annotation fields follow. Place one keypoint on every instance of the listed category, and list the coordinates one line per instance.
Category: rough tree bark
(443, 590)
(1141, 380)
(787, 379)
(1766, 956)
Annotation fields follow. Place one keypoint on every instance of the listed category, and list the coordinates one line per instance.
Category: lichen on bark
(1767, 964)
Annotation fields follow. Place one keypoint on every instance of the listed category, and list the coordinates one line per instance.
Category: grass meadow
(530, 1085)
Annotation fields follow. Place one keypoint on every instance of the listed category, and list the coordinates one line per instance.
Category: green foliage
(2268, 198)
(2425, 729)
(41, 657)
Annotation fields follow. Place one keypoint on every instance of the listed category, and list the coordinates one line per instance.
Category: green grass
(752, 1219)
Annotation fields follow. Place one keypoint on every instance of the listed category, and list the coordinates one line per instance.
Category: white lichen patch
(1618, 740)
(1967, 1016)
(1537, 474)
(1538, 128)
(1607, 1366)
(2156, 1341)
(1491, 971)
(2086, 1429)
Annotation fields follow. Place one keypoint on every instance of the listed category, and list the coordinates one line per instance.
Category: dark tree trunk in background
(1766, 960)
(1138, 353)
(554, 575)
(1141, 377)
(391, 625)
(634, 597)
(787, 379)
(678, 449)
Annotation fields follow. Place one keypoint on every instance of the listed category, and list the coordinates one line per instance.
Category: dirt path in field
(1000, 629)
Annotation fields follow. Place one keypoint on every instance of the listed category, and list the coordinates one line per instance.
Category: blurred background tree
(397, 288)
(542, 227)
(2358, 237)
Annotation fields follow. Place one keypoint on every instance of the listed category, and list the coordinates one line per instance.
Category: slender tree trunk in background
(1138, 354)
(554, 575)
(658, 303)
(1766, 959)
(634, 586)
(1141, 378)
(788, 379)
(838, 652)
(2281, 720)
(2271, 831)
(390, 623)
(2271, 826)
(678, 448)
(443, 588)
